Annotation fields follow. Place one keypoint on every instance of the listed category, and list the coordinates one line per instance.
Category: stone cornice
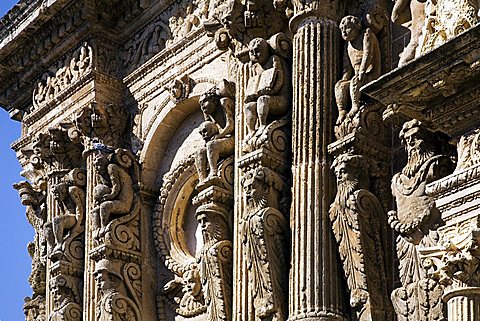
(440, 88)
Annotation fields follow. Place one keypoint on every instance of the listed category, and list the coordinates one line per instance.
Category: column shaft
(315, 288)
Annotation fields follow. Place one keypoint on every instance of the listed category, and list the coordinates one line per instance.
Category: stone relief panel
(170, 27)
(63, 75)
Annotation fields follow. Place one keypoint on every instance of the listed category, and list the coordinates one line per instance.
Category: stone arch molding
(183, 292)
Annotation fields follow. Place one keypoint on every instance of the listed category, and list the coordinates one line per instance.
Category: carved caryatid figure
(264, 235)
(217, 130)
(356, 216)
(70, 197)
(416, 218)
(66, 299)
(115, 301)
(362, 64)
(114, 194)
(215, 260)
(268, 87)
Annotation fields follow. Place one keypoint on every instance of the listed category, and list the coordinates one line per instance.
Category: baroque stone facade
(247, 160)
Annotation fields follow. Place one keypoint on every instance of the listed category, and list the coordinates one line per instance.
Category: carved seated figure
(66, 299)
(114, 194)
(114, 302)
(267, 90)
(362, 64)
(217, 131)
(71, 203)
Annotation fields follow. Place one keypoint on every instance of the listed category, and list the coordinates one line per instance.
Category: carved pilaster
(262, 223)
(315, 286)
(113, 287)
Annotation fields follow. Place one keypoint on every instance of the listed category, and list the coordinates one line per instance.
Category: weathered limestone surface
(247, 160)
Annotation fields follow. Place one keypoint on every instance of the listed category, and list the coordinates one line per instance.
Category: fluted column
(90, 290)
(463, 304)
(315, 283)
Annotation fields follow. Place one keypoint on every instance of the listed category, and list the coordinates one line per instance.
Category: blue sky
(15, 232)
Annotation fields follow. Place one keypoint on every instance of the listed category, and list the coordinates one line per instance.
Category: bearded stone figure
(416, 220)
(356, 216)
(415, 210)
(264, 233)
(114, 303)
(66, 298)
(215, 260)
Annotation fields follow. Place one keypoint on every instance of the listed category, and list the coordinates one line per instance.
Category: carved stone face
(258, 51)
(60, 294)
(344, 173)
(59, 191)
(255, 189)
(209, 104)
(191, 283)
(350, 28)
(208, 129)
(412, 140)
(105, 280)
(100, 163)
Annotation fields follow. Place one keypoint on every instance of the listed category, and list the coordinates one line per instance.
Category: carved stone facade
(247, 160)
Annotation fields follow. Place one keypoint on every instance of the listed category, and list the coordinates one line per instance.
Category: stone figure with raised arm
(217, 130)
(114, 194)
(267, 90)
(362, 64)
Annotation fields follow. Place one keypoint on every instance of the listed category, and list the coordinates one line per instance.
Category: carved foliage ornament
(99, 123)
